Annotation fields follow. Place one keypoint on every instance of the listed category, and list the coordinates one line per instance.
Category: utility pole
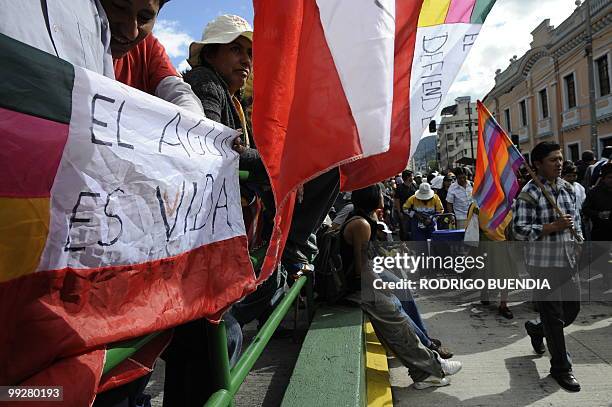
(446, 142)
(470, 127)
(590, 67)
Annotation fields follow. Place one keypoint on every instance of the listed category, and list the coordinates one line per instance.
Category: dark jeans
(319, 196)
(189, 375)
(558, 308)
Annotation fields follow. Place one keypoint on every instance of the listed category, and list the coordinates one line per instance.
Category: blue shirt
(74, 30)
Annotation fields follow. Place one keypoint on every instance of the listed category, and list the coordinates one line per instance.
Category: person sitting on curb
(391, 323)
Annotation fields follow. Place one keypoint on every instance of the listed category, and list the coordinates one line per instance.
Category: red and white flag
(350, 83)
(119, 216)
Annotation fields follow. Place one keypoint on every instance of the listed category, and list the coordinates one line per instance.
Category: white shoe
(432, 381)
(450, 367)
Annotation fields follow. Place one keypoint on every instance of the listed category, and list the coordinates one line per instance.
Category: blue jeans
(260, 303)
(410, 308)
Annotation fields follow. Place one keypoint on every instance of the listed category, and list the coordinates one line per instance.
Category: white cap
(222, 30)
(425, 192)
(437, 182)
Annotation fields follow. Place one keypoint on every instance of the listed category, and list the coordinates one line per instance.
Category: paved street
(499, 365)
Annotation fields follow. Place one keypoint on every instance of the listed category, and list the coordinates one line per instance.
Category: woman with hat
(222, 63)
(421, 207)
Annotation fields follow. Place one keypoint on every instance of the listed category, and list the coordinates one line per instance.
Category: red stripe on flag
(30, 151)
(53, 314)
(302, 122)
(369, 170)
(79, 376)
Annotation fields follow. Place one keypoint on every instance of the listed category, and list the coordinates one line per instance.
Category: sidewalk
(499, 365)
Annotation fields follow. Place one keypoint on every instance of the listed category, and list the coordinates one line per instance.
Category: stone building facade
(544, 95)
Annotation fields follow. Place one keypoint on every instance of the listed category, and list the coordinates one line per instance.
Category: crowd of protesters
(582, 191)
(410, 206)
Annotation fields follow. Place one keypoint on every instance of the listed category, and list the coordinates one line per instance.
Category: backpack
(330, 277)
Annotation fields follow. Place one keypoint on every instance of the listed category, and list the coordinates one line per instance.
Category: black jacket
(212, 90)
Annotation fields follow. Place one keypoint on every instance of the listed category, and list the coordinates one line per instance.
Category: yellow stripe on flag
(24, 225)
(433, 12)
(377, 370)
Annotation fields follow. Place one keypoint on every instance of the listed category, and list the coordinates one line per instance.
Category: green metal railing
(227, 381)
(232, 380)
(121, 351)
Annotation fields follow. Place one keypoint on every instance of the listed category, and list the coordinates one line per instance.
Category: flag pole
(550, 200)
(480, 105)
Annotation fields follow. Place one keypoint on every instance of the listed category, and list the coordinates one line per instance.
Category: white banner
(439, 53)
(140, 179)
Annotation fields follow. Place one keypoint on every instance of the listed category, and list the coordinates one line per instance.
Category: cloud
(506, 32)
(183, 66)
(175, 41)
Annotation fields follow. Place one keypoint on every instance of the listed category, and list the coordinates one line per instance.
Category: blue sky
(182, 21)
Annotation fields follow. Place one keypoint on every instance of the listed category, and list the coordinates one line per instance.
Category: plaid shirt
(531, 211)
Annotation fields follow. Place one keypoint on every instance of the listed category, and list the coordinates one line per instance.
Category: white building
(454, 133)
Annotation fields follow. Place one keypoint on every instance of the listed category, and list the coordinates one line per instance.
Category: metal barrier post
(217, 352)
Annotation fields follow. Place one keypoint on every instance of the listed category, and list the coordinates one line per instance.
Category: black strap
(43, 5)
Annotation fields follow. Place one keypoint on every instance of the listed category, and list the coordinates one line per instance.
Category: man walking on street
(551, 256)
(459, 197)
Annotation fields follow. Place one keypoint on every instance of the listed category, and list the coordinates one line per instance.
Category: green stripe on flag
(35, 82)
(482, 8)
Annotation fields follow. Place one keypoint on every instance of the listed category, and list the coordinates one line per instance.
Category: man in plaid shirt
(553, 257)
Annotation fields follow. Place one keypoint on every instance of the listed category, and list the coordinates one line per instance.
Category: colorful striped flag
(495, 181)
(119, 216)
(351, 83)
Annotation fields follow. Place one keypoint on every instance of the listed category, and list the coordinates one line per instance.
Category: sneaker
(432, 381)
(450, 367)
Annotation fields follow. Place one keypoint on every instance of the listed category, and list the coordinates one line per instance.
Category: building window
(603, 75)
(604, 142)
(468, 110)
(544, 103)
(523, 110)
(507, 117)
(570, 91)
(573, 152)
